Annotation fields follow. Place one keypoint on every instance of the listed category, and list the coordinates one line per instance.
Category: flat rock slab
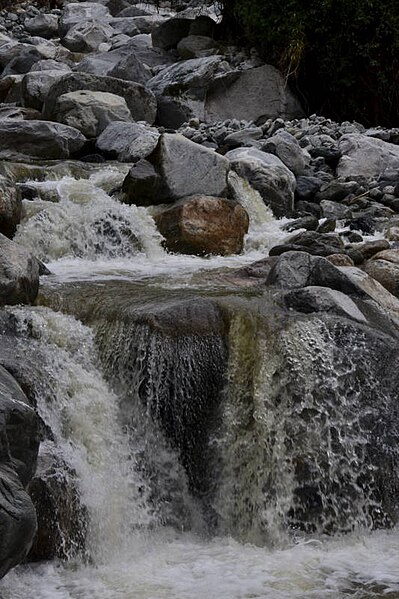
(38, 139)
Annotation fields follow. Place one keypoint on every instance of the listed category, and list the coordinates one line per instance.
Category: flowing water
(153, 531)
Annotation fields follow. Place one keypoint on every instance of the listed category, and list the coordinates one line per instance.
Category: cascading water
(175, 486)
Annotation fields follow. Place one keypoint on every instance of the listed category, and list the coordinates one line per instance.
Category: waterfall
(84, 221)
(81, 413)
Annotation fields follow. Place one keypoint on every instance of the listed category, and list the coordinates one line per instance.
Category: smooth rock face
(188, 169)
(10, 208)
(19, 274)
(38, 139)
(268, 175)
(91, 112)
(254, 94)
(128, 142)
(366, 156)
(204, 225)
(140, 101)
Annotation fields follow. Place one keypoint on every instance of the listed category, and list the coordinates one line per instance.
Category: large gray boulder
(167, 35)
(286, 147)
(268, 175)
(131, 68)
(253, 94)
(188, 169)
(140, 101)
(43, 25)
(77, 12)
(128, 142)
(36, 84)
(91, 112)
(196, 74)
(19, 274)
(87, 36)
(38, 139)
(366, 156)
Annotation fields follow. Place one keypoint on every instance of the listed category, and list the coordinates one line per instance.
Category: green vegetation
(341, 56)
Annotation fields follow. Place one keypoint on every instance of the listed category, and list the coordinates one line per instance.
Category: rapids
(147, 536)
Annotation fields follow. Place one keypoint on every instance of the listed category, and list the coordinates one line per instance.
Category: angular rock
(143, 186)
(286, 147)
(36, 84)
(253, 95)
(23, 61)
(204, 225)
(38, 139)
(50, 65)
(91, 112)
(19, 274)
(135, 25)
(195, 46)
(367, 157)
(188, 169)
(322, 299)
(307, 187)
(128, 142)
(77, 12)
(268, 175)
(334, 210)
(312, 242)
(168, 34)
(87, 36)
(131, 69)
(10, 208)
(140, 101)
(43, 25)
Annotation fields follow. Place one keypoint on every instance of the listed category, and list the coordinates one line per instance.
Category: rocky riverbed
(134, 132)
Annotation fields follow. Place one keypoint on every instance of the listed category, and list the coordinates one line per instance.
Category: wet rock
(140, 101)
(366, 156)
(91, 112)
(307, 187)
(19, 274)
(61, 519)
(188, 168)
(10, 208)
(38, 139)
(310, 223)
(312, 242)
(143, 186)
(334, 210)
(253, 94)
(322, 299)
(336, 191)
(328, 226)
(340, 260)
(370, 248)
(365, 223)
(43, 25)
(128, 142)
(268, 175)
(204, 225)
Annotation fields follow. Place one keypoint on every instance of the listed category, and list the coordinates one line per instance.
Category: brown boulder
(384, 268)
(204, 225)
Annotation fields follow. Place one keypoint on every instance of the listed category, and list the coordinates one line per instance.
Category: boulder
(268, 175)
(48, 64)
(366, 156)
(253, 95)
(188, 169)
(312, 242)
(195, 46)
(43, 25)
(23, 61)
(168, 34)
(334, 210)
(91, 112)
(195, 75)
(135, 25)
(10, 208)
(87, 36)
(140, 101)
(78, 12)
(131, 68)
(307, 187)
(38, 139)
(19, 274)
(286, 147)
(128, 142)
(204, 225)
(322, 299)
(384, 267)
(36, 84)
(143, 186)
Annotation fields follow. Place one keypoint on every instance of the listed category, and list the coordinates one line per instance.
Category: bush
(341, 55)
